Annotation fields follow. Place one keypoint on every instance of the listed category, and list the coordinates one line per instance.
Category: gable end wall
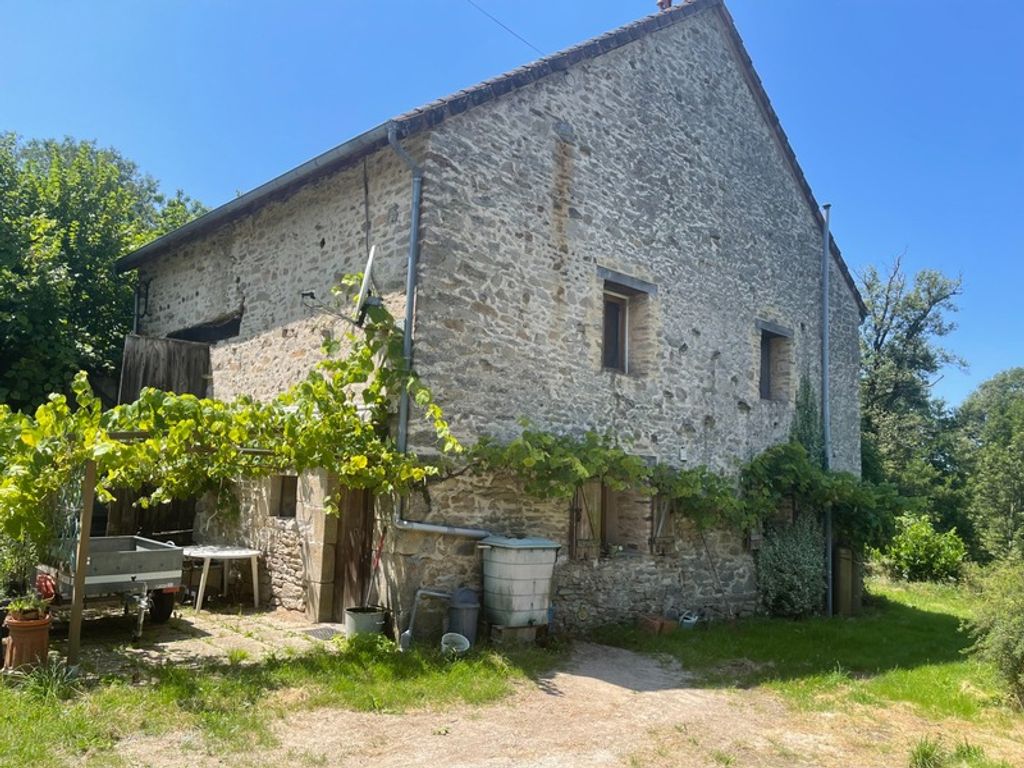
(653, 160)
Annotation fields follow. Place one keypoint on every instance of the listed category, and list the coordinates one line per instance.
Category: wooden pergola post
(81, 562)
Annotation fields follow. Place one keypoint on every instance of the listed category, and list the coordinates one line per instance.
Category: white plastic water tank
(517, 580)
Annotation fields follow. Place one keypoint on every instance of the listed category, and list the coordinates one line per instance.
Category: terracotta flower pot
(28, 642)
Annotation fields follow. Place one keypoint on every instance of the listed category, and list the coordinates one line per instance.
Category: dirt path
(609, 707)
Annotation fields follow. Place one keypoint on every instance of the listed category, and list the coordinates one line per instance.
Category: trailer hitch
(140, 602)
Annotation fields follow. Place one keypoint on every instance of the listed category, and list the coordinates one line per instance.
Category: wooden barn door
(353, 553)
(168, 364)
(174, 366)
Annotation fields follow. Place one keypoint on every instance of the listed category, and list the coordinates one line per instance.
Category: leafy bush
(17, 560)
(998, 625)
(920, 553)
(791, 569)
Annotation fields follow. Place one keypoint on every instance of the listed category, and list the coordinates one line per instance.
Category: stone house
(616, 237)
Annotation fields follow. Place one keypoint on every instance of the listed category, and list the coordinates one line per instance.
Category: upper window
(776, 360)
(626, 322)
(615, 353)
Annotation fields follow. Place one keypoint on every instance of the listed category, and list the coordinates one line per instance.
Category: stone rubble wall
(262, 264)
(585, 592)
(652, 161)
(297, 570)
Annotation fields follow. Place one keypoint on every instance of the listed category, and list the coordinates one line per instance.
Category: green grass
(232, 704)
(907, 646)
(932, 753)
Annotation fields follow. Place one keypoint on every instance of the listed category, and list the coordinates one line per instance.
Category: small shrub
(55, 681)
(17, 562)
(929, 753)
(967, 752)
(998, 625)
(791, 569)
(932, 753)
(920, 553)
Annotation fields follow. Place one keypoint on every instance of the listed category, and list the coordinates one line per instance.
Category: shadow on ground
(889, 635)
(190, 639)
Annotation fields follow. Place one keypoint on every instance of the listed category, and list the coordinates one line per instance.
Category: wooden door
(167, 364)
(353, 552)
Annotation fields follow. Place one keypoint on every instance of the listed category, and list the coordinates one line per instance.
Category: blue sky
(907, 115)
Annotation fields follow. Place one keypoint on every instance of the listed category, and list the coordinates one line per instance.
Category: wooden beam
(81, 563)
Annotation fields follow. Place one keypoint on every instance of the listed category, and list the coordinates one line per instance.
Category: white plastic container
(517, 580)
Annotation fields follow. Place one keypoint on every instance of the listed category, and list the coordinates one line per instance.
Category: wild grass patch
(232, 705)
(907, 646)
(932, 753)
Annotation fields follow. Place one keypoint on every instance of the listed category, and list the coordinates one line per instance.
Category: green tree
(68, 210)
(909, 436)
(991, 424)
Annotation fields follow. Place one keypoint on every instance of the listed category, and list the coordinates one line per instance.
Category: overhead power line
(508, 29)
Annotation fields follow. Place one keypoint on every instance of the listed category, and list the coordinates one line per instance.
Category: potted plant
(28, 626)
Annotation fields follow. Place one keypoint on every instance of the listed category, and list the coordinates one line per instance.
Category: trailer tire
(161, 606)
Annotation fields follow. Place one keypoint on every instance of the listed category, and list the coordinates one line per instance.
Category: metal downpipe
(441, 530)
(410, 313)
(410, 278)
(826, 396)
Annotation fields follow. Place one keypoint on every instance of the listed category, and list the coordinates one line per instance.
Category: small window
(283, 501)
(616, 331)
(776, 346)
(628, 337)
(606, 522)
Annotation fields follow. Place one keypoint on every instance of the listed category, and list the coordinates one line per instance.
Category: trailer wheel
(161, 606)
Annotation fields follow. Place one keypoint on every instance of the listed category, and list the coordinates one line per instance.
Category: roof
(430, 115)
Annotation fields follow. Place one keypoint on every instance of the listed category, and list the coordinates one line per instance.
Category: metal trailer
(144, 574)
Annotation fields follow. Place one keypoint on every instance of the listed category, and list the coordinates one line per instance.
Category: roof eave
(436, 112)
(410, 123)
(320, 165)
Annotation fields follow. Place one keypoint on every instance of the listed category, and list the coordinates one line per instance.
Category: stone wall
(298, 565)
(720, 580)
(261, 264)
(652, 162)
(610, 588)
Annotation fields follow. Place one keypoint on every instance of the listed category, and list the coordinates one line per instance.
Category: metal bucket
(364, 621)
(689, 619)
(454, 644)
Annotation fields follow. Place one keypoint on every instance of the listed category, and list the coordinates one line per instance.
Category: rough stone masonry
(652, 171)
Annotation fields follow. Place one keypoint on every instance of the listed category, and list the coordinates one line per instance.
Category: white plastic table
(213, 552)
